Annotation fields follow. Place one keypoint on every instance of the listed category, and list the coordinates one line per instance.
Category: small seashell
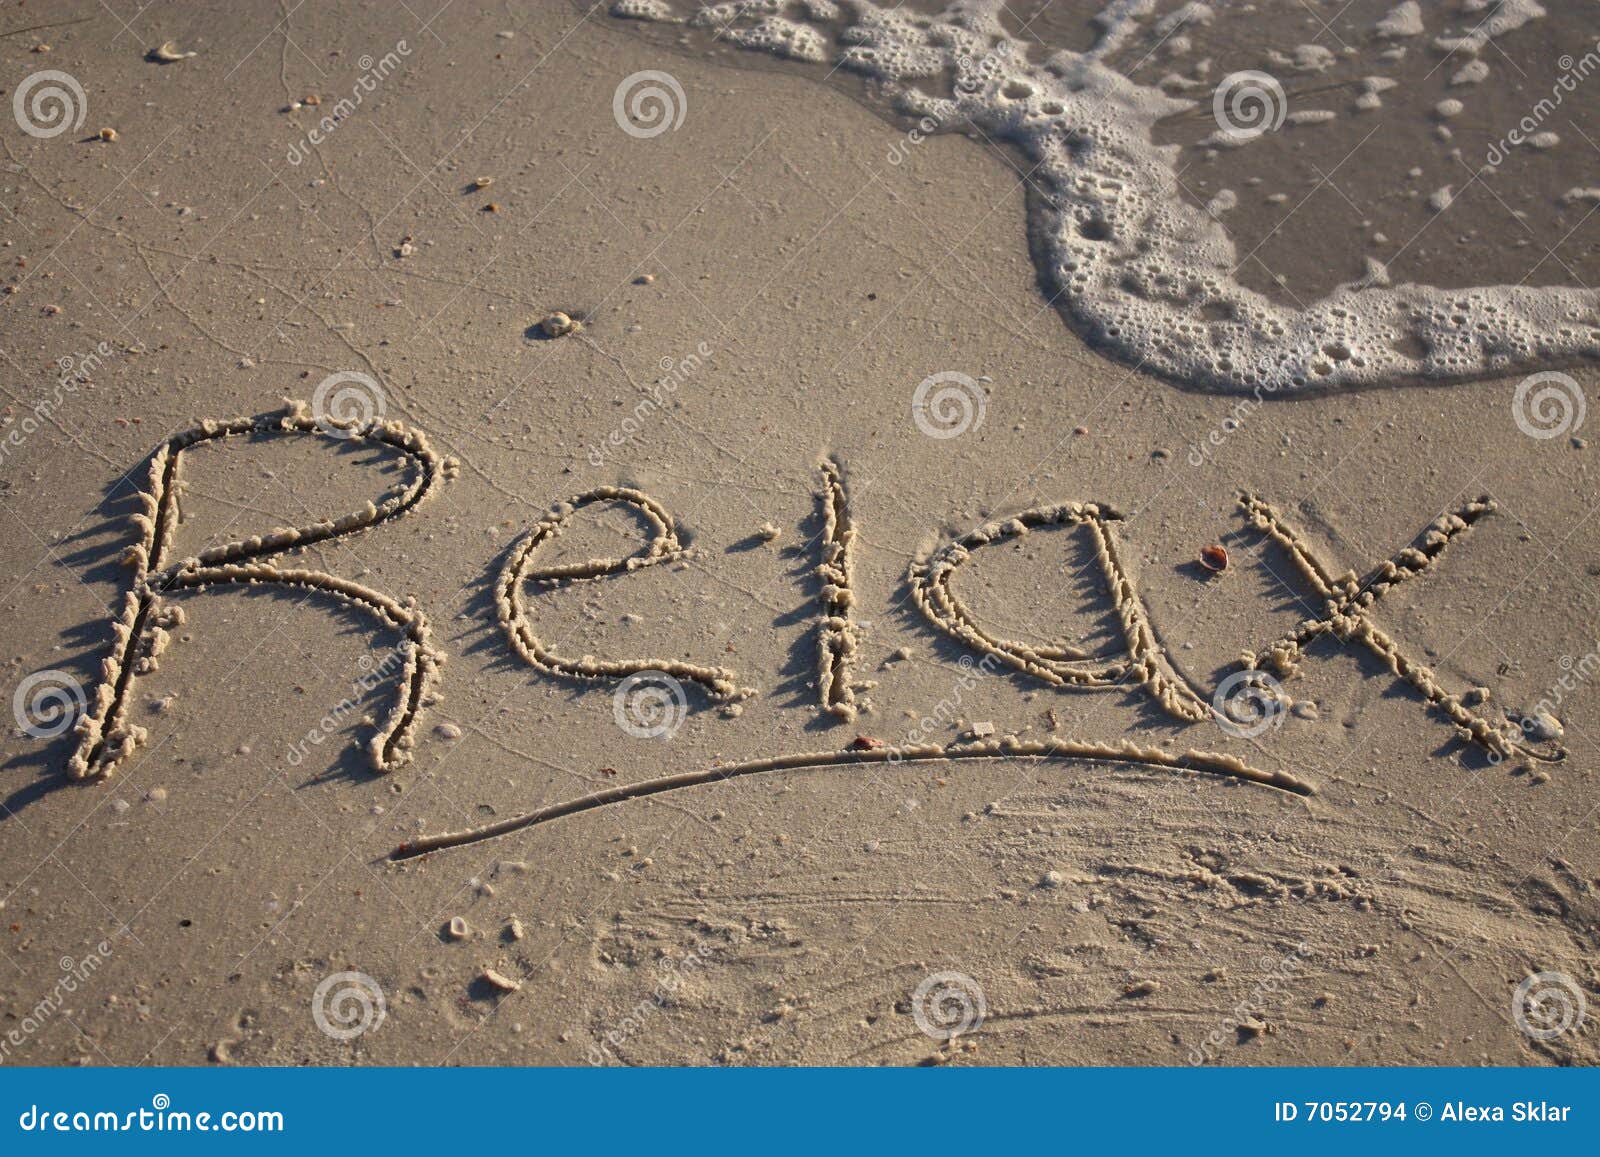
(868, 743)
(492, 207)
(458, 928)
(1543, 726)
(169, 53)
(482, 182)
(500, 981)
(311, 98)
(108, 134)
(1214, 557)
(768, 532)
(559, 324)
(448, 731)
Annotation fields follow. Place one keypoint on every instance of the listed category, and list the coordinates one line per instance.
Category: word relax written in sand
(106, 735)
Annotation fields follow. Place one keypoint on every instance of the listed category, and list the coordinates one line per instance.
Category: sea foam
(1144, 275)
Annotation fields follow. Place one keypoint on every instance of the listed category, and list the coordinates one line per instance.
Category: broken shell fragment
(1543, 726)
(559, 324)
(500, 981)
(169, 53)
(458, 928)
(1214, 557)
(868, 743)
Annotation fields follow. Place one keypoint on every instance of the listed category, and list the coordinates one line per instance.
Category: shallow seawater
(1249, 197)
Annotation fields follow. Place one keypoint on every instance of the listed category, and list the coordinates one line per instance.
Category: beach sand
(763, 288)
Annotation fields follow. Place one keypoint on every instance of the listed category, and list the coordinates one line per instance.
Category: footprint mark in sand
(661, 545)
(140, 633)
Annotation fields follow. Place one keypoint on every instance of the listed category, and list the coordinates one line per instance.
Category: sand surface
(762, 290)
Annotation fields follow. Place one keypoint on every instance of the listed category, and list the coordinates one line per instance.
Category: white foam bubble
(1403, 20)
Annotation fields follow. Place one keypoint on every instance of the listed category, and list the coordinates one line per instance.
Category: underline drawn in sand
(140, 633)
(662, 545)
(839, 640)
(1122, 754)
